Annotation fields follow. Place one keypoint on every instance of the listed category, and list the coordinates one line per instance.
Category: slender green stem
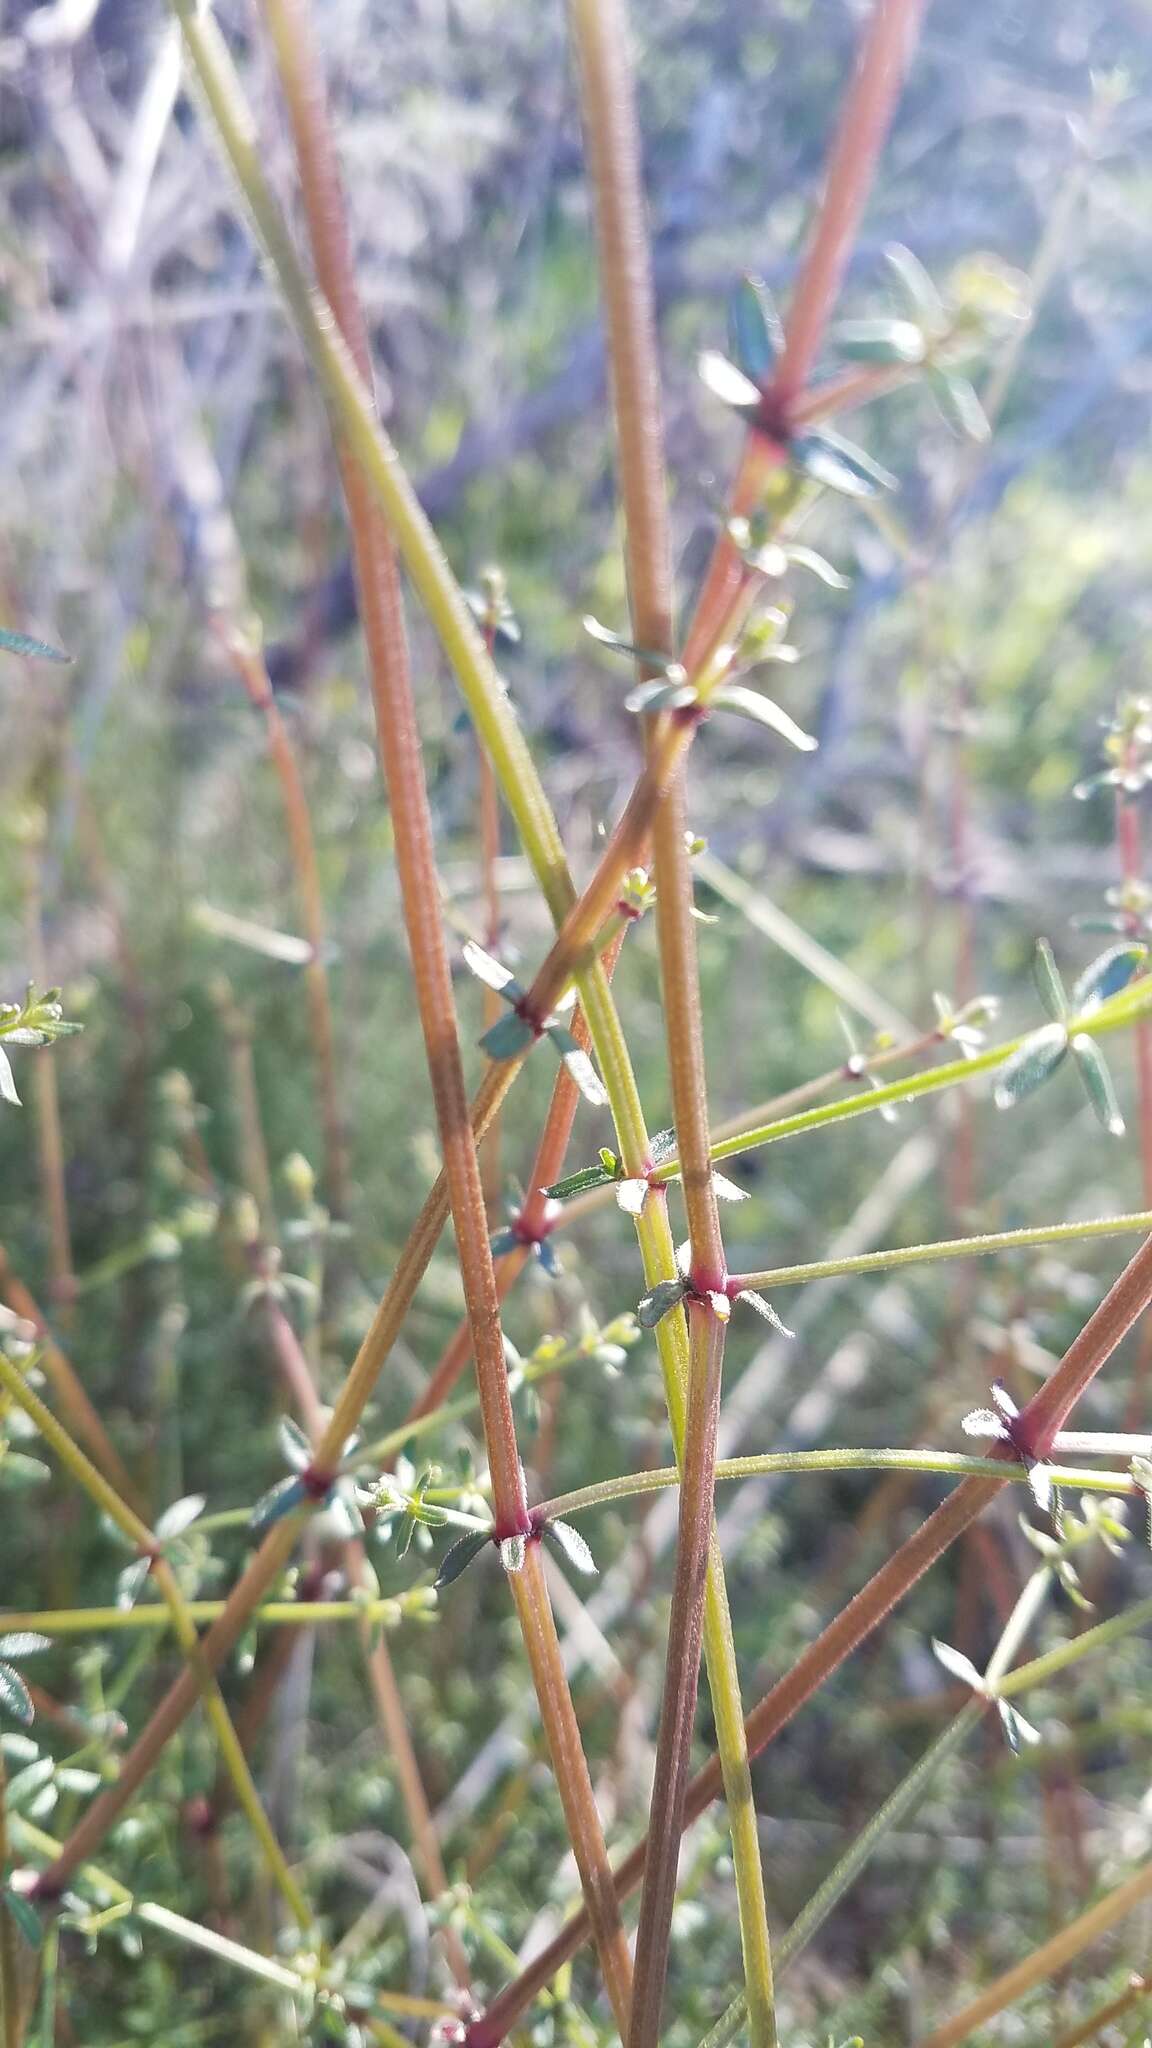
(939, 1464)
(896, 1808)
(943, 1248)
(1119, 1011)
(74, 1621)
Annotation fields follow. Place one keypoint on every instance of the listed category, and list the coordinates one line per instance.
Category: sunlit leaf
(31, 649)
(14, 1695)
(958, 1665)
(659, 1302)
(130, 1583)
(880, 341)
(631, 1196)
(1093, 1071)
(923, 300)
(1049, 985)
(750, 704)
(579, 1066)
(179, 1516)
(662, 696)
(1107, 975)
(7, 1081)
(1016, 1729)
(839, 465)
(258, 938)
(958, 404)
(570, 1545)
(280, 1500)
(24, 1643)
(1031, 1064)
(755, 330)
(765, 1309)
(491, 972)
(295, 1447)
(728, 384)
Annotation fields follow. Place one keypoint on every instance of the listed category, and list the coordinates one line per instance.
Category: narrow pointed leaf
(841, 466)
(512, 1553)
(1030, 1065)
(179, 1516)
(507, 1038)
(295, 1447)
(491, 972)
(130, 1583)
(750, 704)
(1092, 1068)
(631, 1196)
(502, 1242)
(1107, 975)
(14, 1695)
(659, 1302)
(579, 1183)
(569, 1544)
(8, 1091)
(1049, 985)
(807, 558)
(880, 341)
(31, 649)
(765, 1309)
(1016, 1729)
(726, 1190)
(280, 1500)
(459, 1556)
(579, 1066)
(958, 404)
(920, 294)
(960, 1666)
(663, 696)
(1040, 1486)
(649, 656)
(755, 330)
(24, 1643)
(24, 1916)
(549, 1258)
(984, 1422)
(728, 384)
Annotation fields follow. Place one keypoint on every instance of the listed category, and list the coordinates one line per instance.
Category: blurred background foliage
(164, 452)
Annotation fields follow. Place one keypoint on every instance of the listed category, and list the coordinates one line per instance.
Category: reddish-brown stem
(302, 846)
(547, 1167)
(1128, 842)
(399, 742)
(885, 54)
(1139, 1987)
(1044, 1415)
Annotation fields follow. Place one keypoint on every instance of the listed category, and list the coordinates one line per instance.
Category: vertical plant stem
(600, 31)
(10, 2000)
(46, 1091)
(255, 1171)
(382, 616)
(302, 846)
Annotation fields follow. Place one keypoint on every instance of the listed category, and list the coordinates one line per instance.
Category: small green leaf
(755, 330)
(1049, 986)
(14, 1695)
(880, 341)
(502, 1242)
(807, 558)
(1030, 1065)
(840, 466)
(507, 1038)
(24, 1916)
(32, 650)
(1107, 975)
(8, 1091)
(665, 696)
(130, 1583)
(580, 1183)
(24, 1643)
(920, 294)
(569, 1544)
(179, 1516)
(958, 404)
(491, 972)
(659, 1302)
(651, 657)
(280, 1500)
(1093, 1071)
(295, 1447)
(459, 1555)
(729, 384)
(579, 1066)
(750, 704)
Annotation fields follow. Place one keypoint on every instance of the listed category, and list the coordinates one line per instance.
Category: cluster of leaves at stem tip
(38, 1020)
(1042, 1051)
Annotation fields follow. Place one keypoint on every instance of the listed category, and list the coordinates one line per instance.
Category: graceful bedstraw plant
(786, 377)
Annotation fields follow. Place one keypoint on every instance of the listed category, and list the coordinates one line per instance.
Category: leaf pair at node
(512, 1035)
(303, 1489)
(1039, 1055)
